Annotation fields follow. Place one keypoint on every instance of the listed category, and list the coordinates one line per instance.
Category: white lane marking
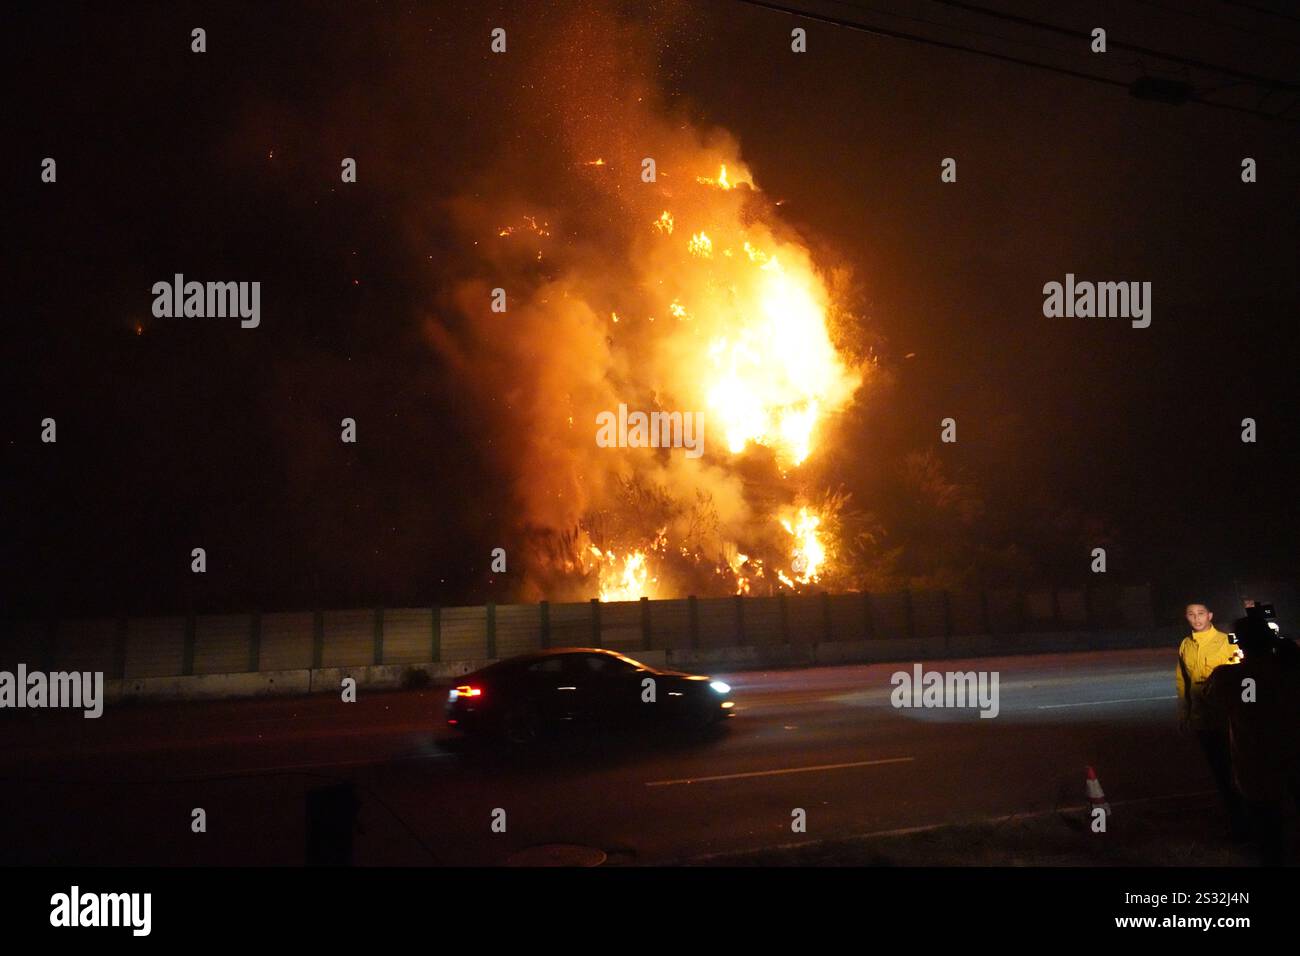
(773, 773)
(1097, 703)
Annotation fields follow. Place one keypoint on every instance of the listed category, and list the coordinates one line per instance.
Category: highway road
(122, 789)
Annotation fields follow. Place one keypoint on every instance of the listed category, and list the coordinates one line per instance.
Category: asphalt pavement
(123, 789)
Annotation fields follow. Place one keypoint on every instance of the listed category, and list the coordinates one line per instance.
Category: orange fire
(809, 555)
(760, 361)
(722, 182)
(678, 294)
(752, 349)
(627, 576)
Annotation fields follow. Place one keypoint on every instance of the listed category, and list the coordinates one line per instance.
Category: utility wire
(1259, 9)
(1289, 85)
(1220, 24)
(1006, 58)
(916, 38)
(968, 31)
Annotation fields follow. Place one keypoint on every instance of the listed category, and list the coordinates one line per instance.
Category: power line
(1193, 15)
(1006, 58)
(1288, 85)
(1259, 9)
(900, 35)
(861, 8)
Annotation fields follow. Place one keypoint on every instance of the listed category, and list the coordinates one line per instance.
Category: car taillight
(466, 690)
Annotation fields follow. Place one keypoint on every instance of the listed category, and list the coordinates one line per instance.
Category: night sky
(175, 433)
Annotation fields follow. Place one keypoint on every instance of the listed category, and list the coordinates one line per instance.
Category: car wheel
(521, 724)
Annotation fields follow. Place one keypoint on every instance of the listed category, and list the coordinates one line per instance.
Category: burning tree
(647, 268)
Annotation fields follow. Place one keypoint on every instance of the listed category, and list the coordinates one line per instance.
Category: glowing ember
(531, 222)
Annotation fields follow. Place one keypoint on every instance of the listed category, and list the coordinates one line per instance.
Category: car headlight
(720, 687)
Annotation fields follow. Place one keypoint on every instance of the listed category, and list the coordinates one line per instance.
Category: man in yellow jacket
(1198, 655)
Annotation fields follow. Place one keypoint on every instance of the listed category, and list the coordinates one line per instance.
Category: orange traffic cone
(1096, 798)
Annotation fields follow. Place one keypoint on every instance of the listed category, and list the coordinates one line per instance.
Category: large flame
(767, 370)
(678, 292)
(809, 555)
(626, 578)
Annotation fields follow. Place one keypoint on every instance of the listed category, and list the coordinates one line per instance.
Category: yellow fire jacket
(1198, 655)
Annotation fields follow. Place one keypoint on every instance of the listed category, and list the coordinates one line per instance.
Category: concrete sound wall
(233, 654)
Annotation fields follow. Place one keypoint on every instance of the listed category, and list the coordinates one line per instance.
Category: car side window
(605, 666)
(548, 665)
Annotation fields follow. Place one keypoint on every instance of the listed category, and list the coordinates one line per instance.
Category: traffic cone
(1096, 798)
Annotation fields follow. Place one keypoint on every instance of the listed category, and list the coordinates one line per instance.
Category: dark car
(519, 698)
